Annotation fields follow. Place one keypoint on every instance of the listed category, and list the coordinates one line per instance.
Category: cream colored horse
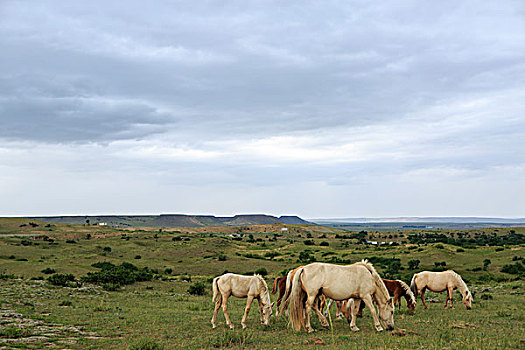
(359, 280)
(250, 287)
(439, 282)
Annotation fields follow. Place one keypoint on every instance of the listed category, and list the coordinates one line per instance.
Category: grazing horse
(359, 280)
(250, 287)
(398, 289)
(439, 282)
(288, 287)
(279, 282)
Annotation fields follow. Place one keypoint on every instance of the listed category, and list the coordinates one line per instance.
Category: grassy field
(162, 314)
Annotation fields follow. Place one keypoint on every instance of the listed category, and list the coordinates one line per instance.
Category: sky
(319, 109)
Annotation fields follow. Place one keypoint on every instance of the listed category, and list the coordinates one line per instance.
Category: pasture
(160, 313)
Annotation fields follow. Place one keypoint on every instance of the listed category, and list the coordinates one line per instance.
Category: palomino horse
(287, 292)
(250, 287)
(279, 282)
(359, 280)
(439, 282)
(396, 289)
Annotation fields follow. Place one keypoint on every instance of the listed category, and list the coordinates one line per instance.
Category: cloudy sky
(320, 109)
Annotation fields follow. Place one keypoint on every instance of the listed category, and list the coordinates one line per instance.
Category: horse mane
(379, 283)
(407, 290)
(462, 286)
(264, 289)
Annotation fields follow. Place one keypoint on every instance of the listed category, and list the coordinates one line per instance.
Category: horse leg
(321, 317)
(423, 297)
(327, 311)
(217, 306)
(225, 310)
(261, 309)
(308, 308)
(278, 305)
(339, 314)
(361, 308)
(354, 305)
(368, 301)
(246, 310)
(451, 297)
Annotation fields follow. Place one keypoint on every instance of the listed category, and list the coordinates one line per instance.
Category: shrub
(65, 303)
(71, 241)
(168, 271)
(62, 279)
(514, 269)
(460, 250)
(221, 257)
(324, 244)
(107, 249)
(309, 242)
(48, 271)
(198, 288)
(113, 276)
(413, 264)
(138, 257)
(500, 249)
(262, 271)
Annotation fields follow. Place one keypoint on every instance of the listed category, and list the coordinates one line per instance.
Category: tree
(486, 264)
(413, 264)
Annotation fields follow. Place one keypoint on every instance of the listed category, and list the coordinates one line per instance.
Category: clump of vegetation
(111, 277)
(5, 276)
(13, 332)
(107, 249)
(198, 288)
(48, 271)
(65, 303)
(63, 280)
(514, 269)
(146, 344)
(262, 271)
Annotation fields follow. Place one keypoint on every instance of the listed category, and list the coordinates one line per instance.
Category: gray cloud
(265, 95)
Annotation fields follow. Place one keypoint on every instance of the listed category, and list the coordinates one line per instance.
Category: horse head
(267, 313)
(467, 300)
(386, 313)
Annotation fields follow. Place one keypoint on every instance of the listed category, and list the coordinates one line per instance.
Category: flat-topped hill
(172, 220)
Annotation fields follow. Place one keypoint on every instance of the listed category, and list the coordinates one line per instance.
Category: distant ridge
(451, 219)
(173, 220)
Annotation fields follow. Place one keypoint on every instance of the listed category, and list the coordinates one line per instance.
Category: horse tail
(413, 286)
(275, 283)
(286, 296)
(215, 288)
(296, 318)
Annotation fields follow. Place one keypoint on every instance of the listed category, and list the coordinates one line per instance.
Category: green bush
(514, 269)
(48, 271)
(261, 271)
(111, 276)
(62, 280)
(197, 288)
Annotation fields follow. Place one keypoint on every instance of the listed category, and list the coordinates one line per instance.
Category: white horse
(439, 282)
(250, 287)
(359, 280)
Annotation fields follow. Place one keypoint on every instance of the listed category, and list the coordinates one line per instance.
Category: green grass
(161, 314)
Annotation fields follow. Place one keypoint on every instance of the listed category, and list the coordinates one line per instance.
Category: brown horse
(279, 282)
(396, 289)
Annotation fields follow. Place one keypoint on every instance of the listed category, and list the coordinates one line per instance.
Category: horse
(250, 287)
(398, 289)
(287, 293)
(359, 280)
(279, 282)
(439, 282)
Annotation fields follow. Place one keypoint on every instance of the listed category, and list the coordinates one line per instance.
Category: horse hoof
(213, 326)
(355, 329)
(232, 327)
(380, 329)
